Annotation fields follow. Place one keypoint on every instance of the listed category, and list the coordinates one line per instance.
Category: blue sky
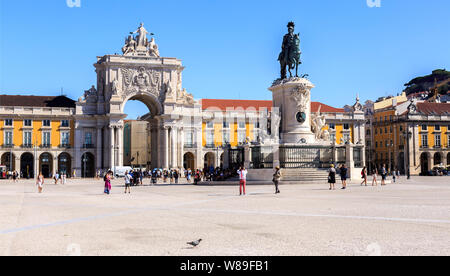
(229, 48)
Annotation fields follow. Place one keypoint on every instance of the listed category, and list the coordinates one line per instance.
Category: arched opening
(209, 160)
(140, 134)
(87, 165)
(448, 159)
(189, 161)
(65, 164)
(9, 160)
(424, 167)
(221, 161)
(46, 164)
(27, 165)
(437, 159)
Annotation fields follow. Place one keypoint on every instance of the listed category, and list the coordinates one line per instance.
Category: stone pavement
(407, 218)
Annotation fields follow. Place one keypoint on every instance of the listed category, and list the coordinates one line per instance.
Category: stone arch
(9, 160)
(151, 101)
(27, 165)
(87, 165)
(46, 164)
(437, 159)
(425, 163)
(65, 164)
(209, 160)
(189, 161)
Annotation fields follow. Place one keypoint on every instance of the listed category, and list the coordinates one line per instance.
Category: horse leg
(296, 70)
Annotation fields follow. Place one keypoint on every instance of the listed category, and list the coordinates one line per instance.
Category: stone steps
(304, 176)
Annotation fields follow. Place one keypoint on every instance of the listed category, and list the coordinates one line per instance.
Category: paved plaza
(407, 218)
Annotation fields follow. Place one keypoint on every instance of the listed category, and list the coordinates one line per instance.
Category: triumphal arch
(140, 73)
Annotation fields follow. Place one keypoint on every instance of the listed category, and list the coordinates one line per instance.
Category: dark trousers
(276, 185)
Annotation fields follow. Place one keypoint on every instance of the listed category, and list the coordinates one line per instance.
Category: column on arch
(98, 147)
(173, 147)
(119, 160)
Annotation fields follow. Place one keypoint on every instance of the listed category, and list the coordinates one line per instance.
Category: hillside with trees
(426, 83)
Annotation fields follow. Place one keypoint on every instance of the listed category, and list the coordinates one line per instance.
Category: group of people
(14, 175)
(342, 171)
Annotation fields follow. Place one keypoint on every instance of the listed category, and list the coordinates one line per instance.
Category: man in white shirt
(242, 172)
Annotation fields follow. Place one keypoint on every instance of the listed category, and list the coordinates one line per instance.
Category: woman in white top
(40, 182)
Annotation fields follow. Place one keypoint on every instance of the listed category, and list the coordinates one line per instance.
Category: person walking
(242, 172)
(40, 182)
(332, 177)
(14, 176)
(107, 179)
(343, 173)
(154, 177)
(374, 177)
(56, 177)
(364, 176)
(276, 179)
(63, 178)
(188, 175)
(175, 176)
(197, 177)
(383, 175)
(127, 182)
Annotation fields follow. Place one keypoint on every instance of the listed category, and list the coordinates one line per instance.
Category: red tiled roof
(325, 108)
(245, 104)
(433, 108)
(36, 101)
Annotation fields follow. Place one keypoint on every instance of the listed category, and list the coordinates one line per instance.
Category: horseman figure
(290, 52)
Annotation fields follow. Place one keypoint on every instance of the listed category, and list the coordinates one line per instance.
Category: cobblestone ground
(406, 218)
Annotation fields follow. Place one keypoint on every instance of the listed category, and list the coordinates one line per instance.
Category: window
(424, 127)
(27, 138)
(425, 140)
(333, 137)
(401, 128)
(65, 138)
(368, 144)
(390, 118)
(385, 118)
(210, 139)
(368, 132)
(437, 128)
(65, 123)
(27, 123)
(376, 130)
(8, 122)
(88, 138)
(385, 130)
(448, 142)
(346, 126)
(241, 137)
(210, 124)
(332, 126)
(391, 130)
(226, 137)
(437, 140)
(8, 138)
(376, 144)
(46, 123)
(189, 138)
(226, 125)
(46, 139)
(386, 143)
(346, 137)
(242, 125)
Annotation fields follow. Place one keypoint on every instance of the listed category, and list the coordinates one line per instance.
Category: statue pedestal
(293, 99)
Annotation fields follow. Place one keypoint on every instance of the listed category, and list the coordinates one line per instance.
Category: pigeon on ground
(195, 243)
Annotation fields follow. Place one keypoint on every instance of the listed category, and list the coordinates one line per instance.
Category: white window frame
(210, 138)
(226, 133)
(62, 138)
(9, 125)
(30, 142)
(5, 135)
(31, 122)
(49, 123)
(209, 124)
(437, 138)
(68, 123)
(44, 135)
(86, 135)
(424, 140)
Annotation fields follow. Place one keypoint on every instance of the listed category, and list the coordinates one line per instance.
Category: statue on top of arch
(139, 45)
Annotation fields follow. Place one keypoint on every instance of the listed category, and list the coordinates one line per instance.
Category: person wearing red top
(242, 172)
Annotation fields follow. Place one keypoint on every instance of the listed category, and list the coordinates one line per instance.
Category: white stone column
(55, 164)
(76, 165)
(173, 146)
(111, 147)
(120, 146)
(181, 148)
(164, 149)
(98, 147)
